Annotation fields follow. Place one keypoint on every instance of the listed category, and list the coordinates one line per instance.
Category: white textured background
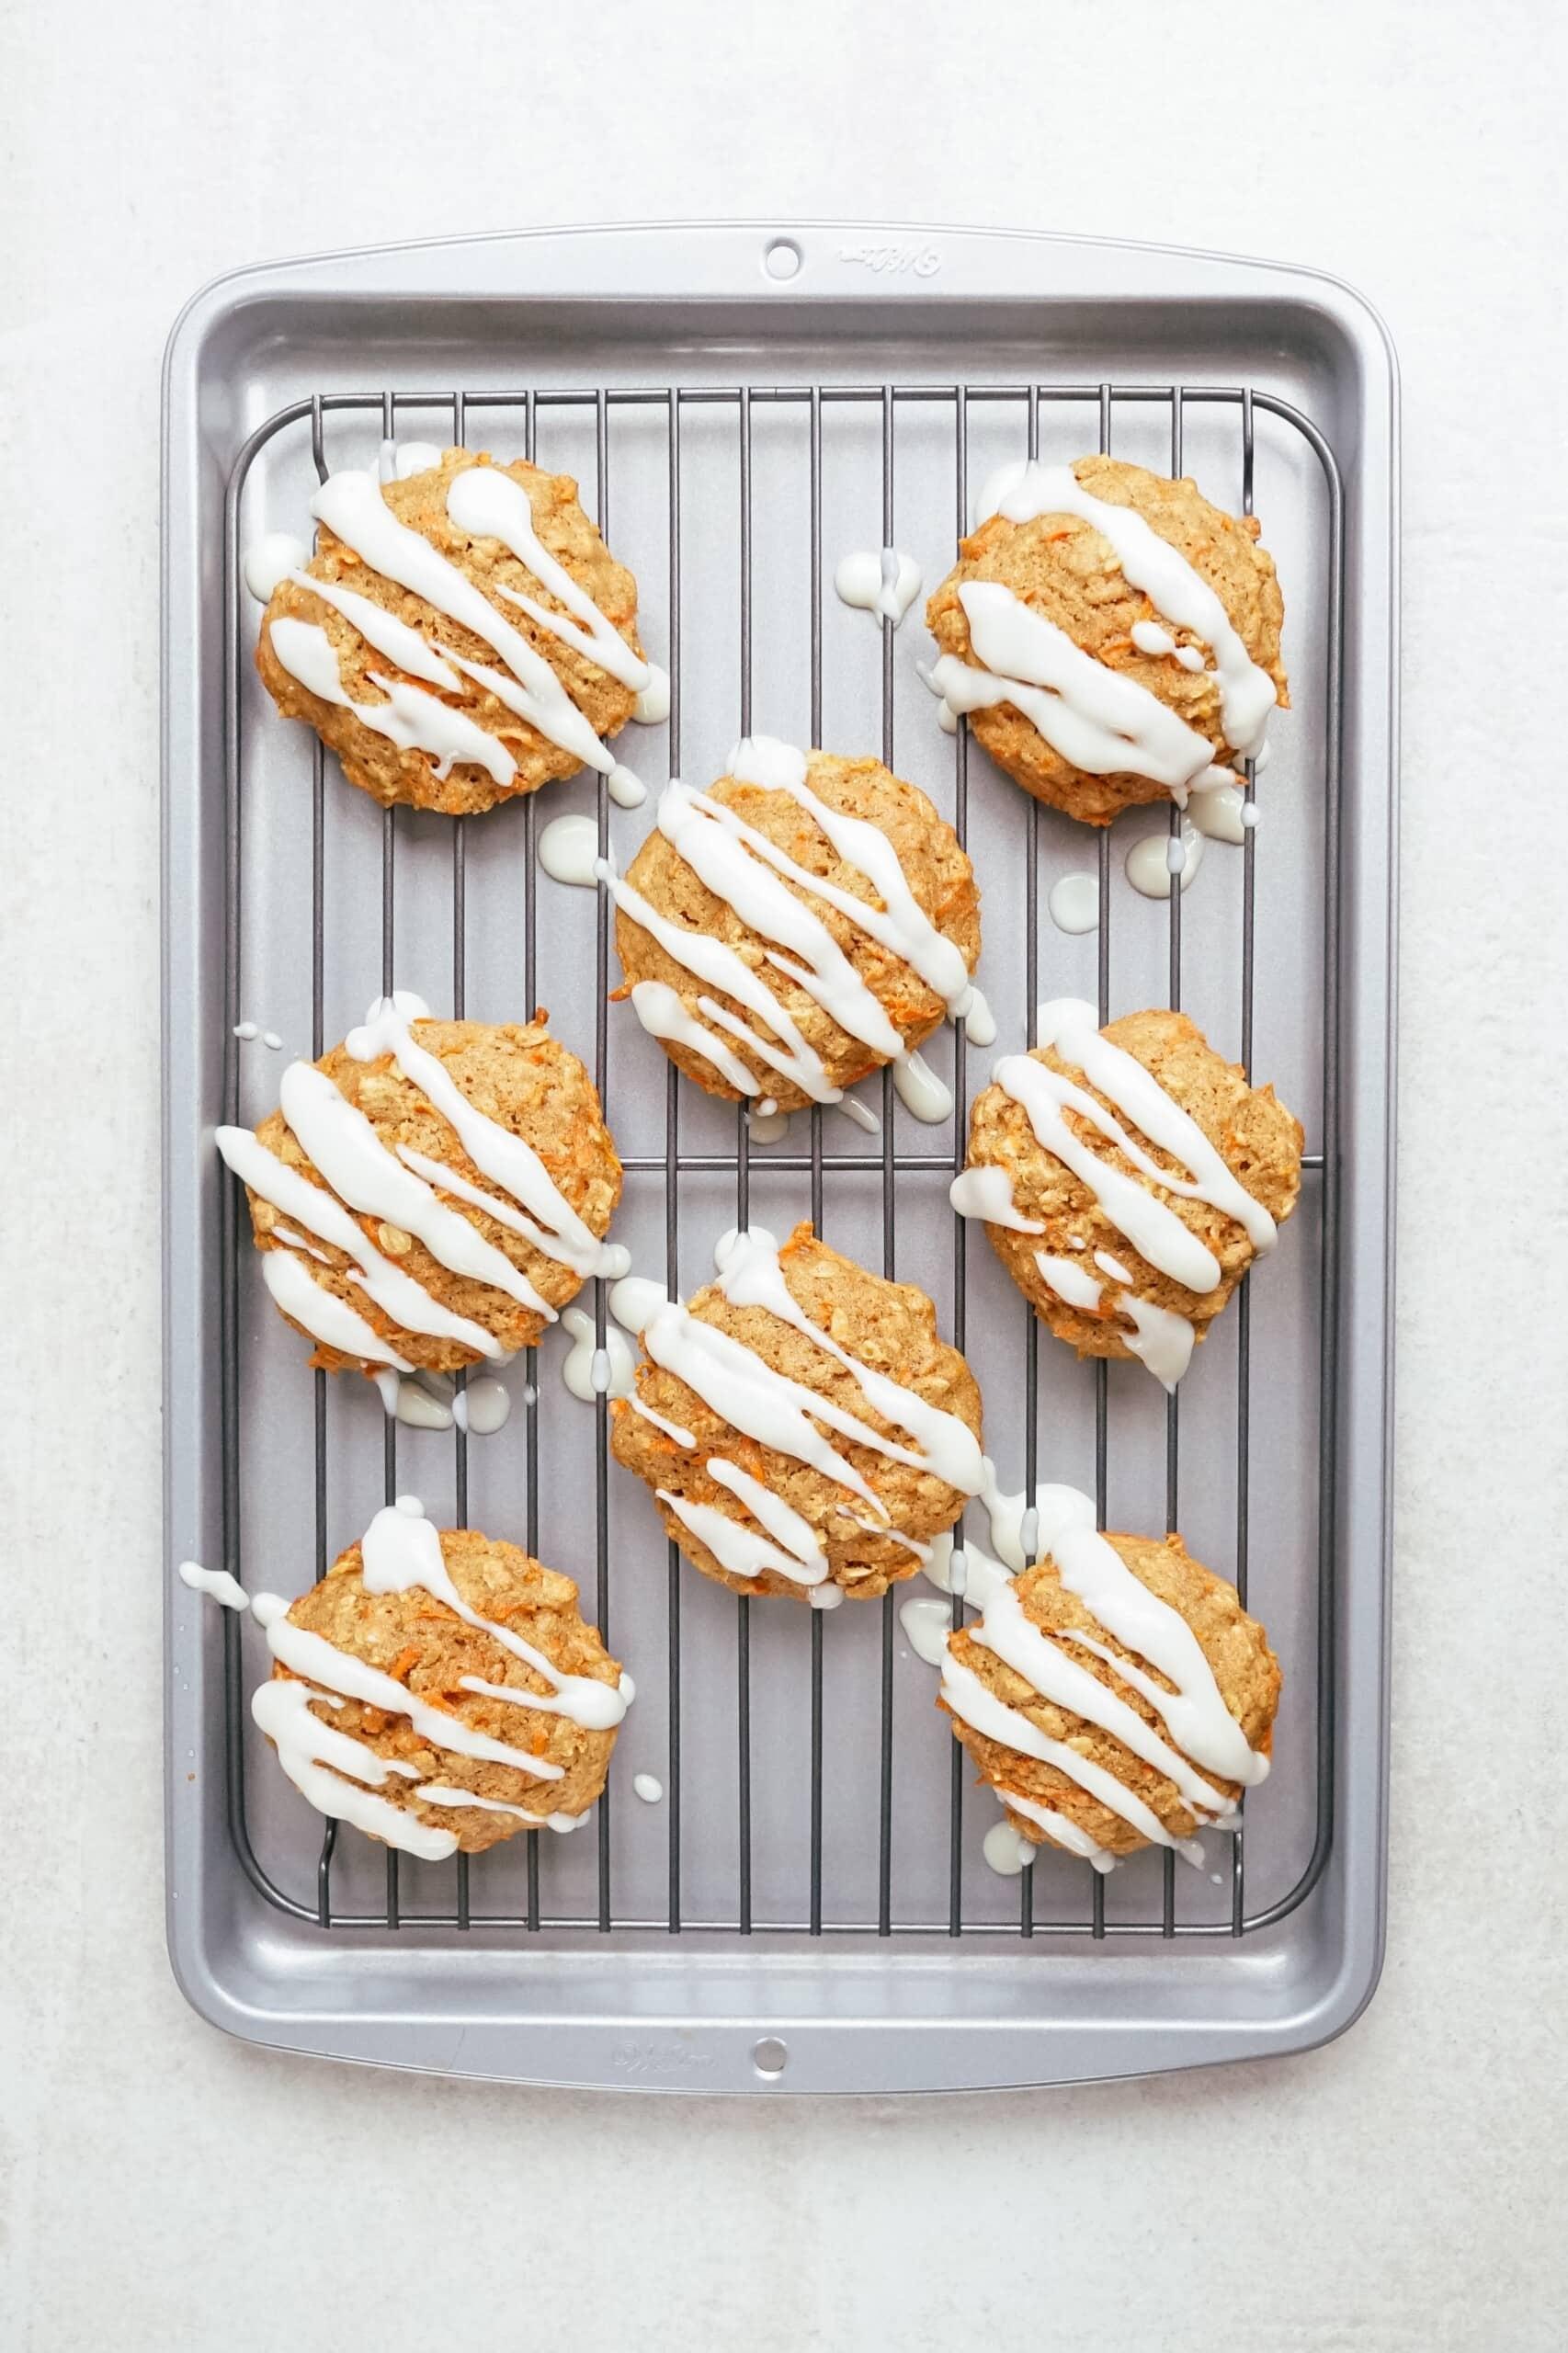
(1403, 2189)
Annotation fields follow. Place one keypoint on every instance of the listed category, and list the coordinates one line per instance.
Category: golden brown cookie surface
(1258, 1139)
(422, 1645)
(861, 1541)
(524, 757)
(528, 1085)
(939, 876)
(1234, 1646)
(1063, 569)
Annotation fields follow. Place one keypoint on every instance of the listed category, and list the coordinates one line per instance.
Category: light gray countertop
(1400, 2189)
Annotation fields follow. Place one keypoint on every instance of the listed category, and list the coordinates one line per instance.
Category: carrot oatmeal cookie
(460, 637)
(802, 1426)
(1127, 1177)
(1113, 637)
(804, 921)
(1115, 1695)
(430, 1192)
(439, 1689)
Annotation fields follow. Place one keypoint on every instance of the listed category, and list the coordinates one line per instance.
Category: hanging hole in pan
(769, 2056)
(782, 258)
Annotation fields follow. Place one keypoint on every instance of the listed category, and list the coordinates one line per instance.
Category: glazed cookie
(1127, 1177)
(430, 1192)
(1115, 1695)
(468, 1700)
(805, 921)
(802, 1426)
(460, 637)
(1112, 636)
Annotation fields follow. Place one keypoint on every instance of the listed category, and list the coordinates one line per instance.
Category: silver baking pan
(807, 1907)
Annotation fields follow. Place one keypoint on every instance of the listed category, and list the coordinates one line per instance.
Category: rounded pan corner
(190, 1967)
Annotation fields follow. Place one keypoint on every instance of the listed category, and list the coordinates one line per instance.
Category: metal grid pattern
(884, 401)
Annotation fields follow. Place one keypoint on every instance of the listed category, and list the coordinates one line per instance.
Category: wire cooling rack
(712, 431)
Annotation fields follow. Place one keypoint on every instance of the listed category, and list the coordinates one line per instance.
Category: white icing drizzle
(648, 1787)
(1060, 1828)
(825, 1597)
(922, 1552)
(569, 849)
(947, 717)
(401, 1551)
(395, 1292)
(1152, 865)
(926, 1624)
(1068, 1280)
(339, 1774)
(1102, 721)
(656, 1004)
(352, 507)
(1222, 815)
(861, 1115)
(483, 1407)
(1005, 1629)
(877, 580)
(1149, 1224)
(489, 503)
(634, 1297)
(419, 1402)
(330, 1769)
(784, 1415)
(652, 707)
(383, 630)
(740, 1550)
(393, 1188)
(270, 1038)
(742, 866)
(246, 1031)
(281, 1232)
(328, 1319)
(968, 1697)
(627, 790)
(1206, 1734)
(590, 1372)
(410, 718)
(919, 1088)
(808, 1563)
(750, 1275)
(767, 1126)
(316, 1659)
(1150, 638)
(1005, 1852)
(1161, 1338)
(1177, 592)
(973, 1573)
(979, 1020)
(216, 1582)
(502, 1156)
(1074, 902)
(987, 1194)
(349, 1153)
(438, 1793)
(269, 561)
(671, 1429)
(661, 1012)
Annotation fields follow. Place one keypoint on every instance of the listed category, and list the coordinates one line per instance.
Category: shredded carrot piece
(404, 1663)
